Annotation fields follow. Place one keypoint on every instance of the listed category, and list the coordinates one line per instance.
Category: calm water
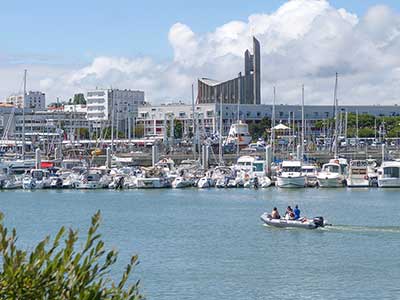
(211, 244)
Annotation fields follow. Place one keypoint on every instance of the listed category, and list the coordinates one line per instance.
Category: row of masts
(196, 142)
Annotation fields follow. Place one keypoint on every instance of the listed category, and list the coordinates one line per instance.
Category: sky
(162, 47)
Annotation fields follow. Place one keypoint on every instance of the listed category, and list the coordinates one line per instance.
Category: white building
(155, 119)
(33, 99)
(102, 103)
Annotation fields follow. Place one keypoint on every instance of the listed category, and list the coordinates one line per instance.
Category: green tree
(79, 99)
(178, 129)
(56, 270)
(260, 130)
(139, 130)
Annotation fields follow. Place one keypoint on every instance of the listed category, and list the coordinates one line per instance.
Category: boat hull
(357, 182)
(283, 223)
(291, 182)
(330, 182)
(388, 182)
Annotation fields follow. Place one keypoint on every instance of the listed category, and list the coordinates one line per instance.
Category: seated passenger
(296, 212)
(275, 214)
(289, 215)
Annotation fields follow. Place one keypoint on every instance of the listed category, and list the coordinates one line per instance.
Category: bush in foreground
(54, 271)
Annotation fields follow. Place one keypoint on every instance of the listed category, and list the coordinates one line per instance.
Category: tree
(79, 99)
(178, 129)
(139, 130)
(64, 272)
(259, 130)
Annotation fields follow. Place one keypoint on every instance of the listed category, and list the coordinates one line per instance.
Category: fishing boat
(290, 175)
(358, 174)
(303, 223)
(389, 174)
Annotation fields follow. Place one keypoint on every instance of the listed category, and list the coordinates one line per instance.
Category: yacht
(290, 175)
(153, 178)
(333, 174)
(358, 174)
(389, 174)
(239, 132)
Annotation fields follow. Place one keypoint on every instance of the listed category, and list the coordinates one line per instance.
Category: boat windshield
(291, 169)
(258, 167)
(391, 172)
(331, 168)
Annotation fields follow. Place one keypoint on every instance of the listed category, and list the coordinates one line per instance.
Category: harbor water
(211, 244)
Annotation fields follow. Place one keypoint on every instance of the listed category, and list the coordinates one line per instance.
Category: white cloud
(304, 41)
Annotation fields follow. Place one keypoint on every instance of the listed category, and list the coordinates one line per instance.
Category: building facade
(245, 89)
(122, 105)
(155, 118)
(33, 99)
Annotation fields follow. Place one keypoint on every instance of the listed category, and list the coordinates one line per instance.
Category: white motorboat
(310, 172)
(303, 223)
(153, 178)
(205, 182)
(252, 171)
(13, 182)
(290, 175)
(182, 182)
(153, 182)
(389, 174)
(333, 174)
(36, 179)
(358, 174)
(91, 180)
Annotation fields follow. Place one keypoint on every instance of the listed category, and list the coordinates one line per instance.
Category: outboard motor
(319, 221)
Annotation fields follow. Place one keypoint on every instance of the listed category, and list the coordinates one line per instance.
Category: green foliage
(83, 133)
(139, 131)
(178, 129)
(260, 129)
(79, 99)
(52, 271)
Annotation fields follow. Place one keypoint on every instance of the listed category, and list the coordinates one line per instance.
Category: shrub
(54, 271)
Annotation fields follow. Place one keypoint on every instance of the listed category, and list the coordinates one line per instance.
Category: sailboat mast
(336, 117)
(238, 116)
(23, 118)
(220, 129)
(302, 122)
(112, 120)
(273, 124)
(194, 125)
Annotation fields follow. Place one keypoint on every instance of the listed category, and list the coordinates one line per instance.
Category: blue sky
(76, 31)
(162, 47)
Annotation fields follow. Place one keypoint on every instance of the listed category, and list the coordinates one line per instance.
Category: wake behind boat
(285, 223)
